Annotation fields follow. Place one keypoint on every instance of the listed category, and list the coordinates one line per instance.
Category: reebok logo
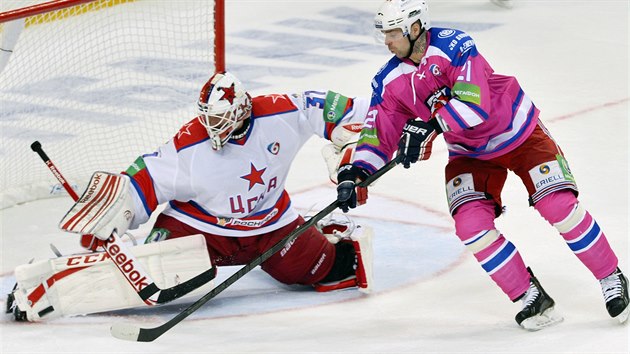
(125, 264)
(88, 195)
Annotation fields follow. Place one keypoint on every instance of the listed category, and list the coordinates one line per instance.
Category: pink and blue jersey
(488, 114)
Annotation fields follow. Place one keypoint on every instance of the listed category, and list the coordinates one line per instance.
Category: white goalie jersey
(239, 190)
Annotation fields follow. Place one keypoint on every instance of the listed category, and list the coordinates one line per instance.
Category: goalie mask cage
(97, 82)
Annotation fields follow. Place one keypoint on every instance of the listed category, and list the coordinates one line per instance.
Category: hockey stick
(127, 263)
(132, 332)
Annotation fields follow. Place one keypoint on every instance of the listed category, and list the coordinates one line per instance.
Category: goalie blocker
(90, 283)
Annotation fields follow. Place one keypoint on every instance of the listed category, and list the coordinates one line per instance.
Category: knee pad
(474, 217)
(562, 210)
(474, 225)
(574, 218)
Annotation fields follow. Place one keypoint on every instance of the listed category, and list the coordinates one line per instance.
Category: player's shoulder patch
(272, 104)
(454, 43)
(190, 134)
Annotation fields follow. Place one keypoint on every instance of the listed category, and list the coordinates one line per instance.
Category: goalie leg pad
(90, 283)
(361, 242)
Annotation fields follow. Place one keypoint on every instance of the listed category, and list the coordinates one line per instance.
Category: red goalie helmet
(223, 104)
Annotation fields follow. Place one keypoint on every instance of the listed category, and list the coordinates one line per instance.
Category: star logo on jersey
(255, 176)
(228, 93)
(275, 97)
(421, 75)
(185, 130)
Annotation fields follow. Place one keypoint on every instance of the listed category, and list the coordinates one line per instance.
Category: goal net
(97, 83)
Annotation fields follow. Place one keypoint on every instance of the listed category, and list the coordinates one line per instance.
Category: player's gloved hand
(91, 242)
(347, 195)
(416, 141)
(105, 206)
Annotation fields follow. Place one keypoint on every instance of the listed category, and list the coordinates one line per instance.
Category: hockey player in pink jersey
(438, 83)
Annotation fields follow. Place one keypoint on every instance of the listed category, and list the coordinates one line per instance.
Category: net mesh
(97, 84)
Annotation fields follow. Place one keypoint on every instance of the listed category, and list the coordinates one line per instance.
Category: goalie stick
(130, 332)
(127, 263)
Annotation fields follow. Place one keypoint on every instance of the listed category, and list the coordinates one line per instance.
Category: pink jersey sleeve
(386, 116)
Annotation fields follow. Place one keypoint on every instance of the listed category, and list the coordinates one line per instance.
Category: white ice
(431, 295)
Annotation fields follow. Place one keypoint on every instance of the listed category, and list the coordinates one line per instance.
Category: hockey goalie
(219, 186)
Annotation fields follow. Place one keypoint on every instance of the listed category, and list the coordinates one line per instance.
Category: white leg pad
(90, 283)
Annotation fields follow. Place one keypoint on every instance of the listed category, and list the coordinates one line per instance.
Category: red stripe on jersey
(329, 127)
(271, 104)
(252, 222)
(144, 181)
(190, 134)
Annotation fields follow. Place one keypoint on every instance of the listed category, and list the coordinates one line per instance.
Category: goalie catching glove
(416, 141)
(105, 207)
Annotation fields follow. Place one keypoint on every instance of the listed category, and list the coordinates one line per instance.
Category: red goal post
(98, 82)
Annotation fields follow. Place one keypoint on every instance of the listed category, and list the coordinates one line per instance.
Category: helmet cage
(223, 103)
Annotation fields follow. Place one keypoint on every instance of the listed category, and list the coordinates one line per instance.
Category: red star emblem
(228, 93)
(254, 176)
(185, 130)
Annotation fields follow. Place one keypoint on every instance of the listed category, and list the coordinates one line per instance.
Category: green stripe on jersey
(136, 166)
(334, 106)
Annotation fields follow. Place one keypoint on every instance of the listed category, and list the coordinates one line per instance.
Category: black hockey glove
(347, 195)
(416, 140)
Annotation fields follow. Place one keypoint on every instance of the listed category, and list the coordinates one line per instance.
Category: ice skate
(538, 308)
(615, 291)
(12, 308)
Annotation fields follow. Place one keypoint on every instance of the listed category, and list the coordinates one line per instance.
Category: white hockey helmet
(223, 103)
(401, 14)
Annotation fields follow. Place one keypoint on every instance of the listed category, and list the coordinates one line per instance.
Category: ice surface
(430, 294)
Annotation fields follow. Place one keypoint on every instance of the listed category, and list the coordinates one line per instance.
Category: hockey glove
(105, 206)
(347, 195)
(91, 242)
(416, 141)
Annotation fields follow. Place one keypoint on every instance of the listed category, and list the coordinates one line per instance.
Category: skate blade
(623, 317)
(545, 319)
